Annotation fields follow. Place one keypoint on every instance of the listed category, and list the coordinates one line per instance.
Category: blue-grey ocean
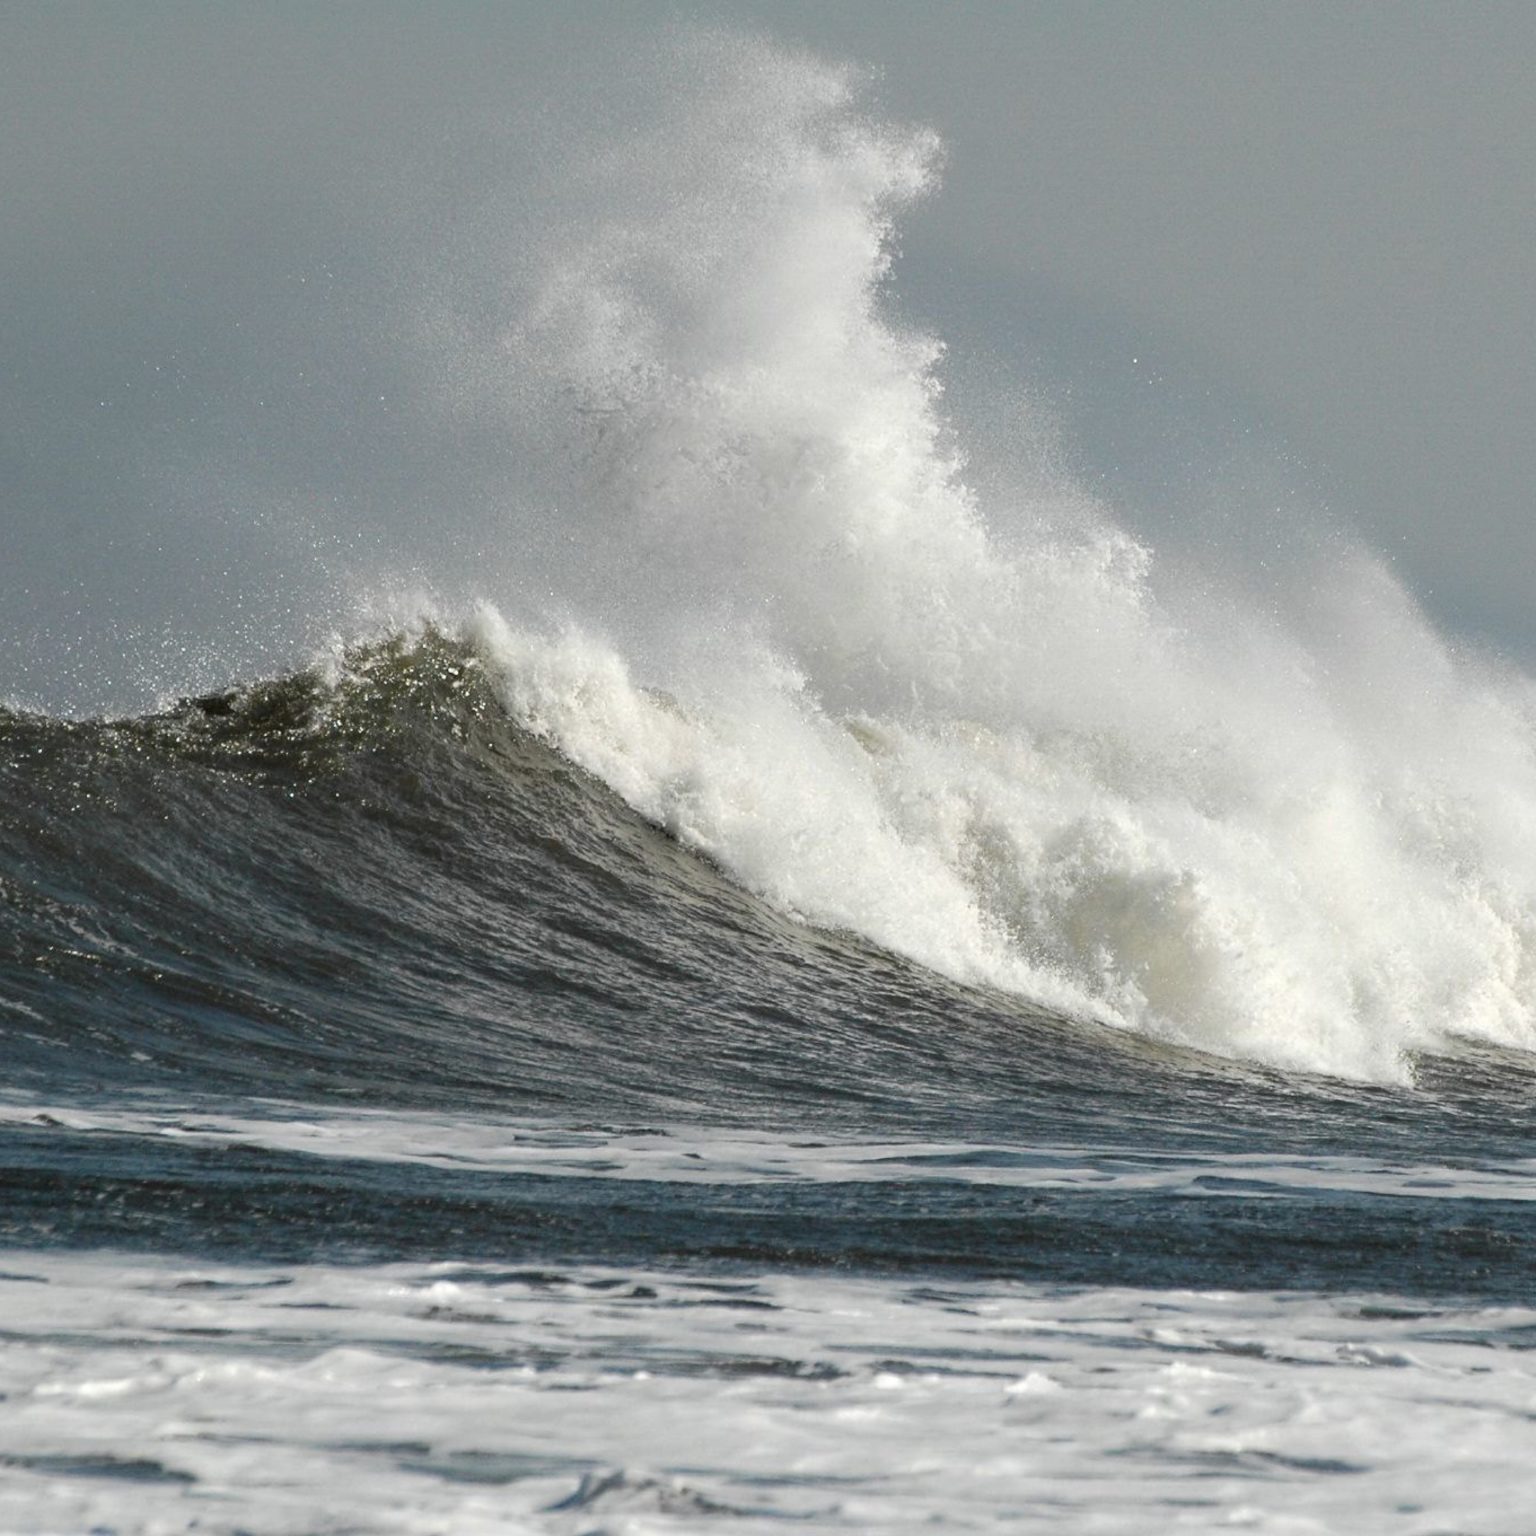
(788, 975)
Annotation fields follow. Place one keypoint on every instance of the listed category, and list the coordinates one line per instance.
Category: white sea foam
(997, 738)
(152, 1395)
(689, 1155)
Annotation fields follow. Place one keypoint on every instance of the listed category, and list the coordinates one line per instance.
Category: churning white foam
(996, 738)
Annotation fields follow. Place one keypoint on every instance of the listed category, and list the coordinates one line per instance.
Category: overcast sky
(1200, 227)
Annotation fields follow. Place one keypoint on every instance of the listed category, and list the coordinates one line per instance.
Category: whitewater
(766, 960)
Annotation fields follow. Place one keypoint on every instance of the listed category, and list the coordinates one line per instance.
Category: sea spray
(985, 736)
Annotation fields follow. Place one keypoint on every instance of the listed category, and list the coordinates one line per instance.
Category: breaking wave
(738, 570)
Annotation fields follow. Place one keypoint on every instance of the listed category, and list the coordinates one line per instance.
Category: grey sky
(1197, 225)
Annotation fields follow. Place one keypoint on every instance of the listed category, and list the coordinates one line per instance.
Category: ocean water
(785, 972)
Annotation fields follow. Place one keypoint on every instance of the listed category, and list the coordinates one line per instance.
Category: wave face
(376, 885)
(741, 575)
